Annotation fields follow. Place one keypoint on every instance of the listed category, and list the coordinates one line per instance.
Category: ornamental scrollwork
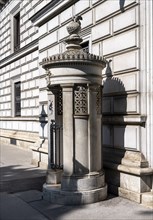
(50, 107)
(48, 77)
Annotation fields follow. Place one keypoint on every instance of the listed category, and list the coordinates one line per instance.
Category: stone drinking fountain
(77, 76)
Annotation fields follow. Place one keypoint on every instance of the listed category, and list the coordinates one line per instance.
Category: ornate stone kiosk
(78, 75)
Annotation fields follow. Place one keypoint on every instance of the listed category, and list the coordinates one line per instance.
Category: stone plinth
(54, 194)
(128, 174)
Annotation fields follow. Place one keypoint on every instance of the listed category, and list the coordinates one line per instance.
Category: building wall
(120, 33)
(21, 65)
(116, 36)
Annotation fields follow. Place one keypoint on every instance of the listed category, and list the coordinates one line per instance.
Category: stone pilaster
(68, 129)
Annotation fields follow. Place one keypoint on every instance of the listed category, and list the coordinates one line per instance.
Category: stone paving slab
(30, 196)
(114, 208)
(14, 208)
(29, 205)
(16, 171)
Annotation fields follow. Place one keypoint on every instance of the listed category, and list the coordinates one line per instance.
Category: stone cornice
(129, 169)
(35, 119)
(51, 10)
(19, 54)
(125, 119)
(3, 4)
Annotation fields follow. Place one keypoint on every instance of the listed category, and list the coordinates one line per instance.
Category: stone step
(147, 199)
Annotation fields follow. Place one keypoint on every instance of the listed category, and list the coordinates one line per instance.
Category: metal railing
(56, 151)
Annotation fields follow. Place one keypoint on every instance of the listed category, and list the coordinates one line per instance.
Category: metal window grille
(85, 46)
(16, 32)
(17, 89)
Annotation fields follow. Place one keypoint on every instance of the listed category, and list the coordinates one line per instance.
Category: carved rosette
(80, 100)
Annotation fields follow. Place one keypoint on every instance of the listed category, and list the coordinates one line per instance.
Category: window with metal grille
(16, 32)
(85, 46)
(17, 96)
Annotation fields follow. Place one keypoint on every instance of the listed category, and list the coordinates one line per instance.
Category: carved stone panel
(99, 100)
(80, 100)
(59, 102)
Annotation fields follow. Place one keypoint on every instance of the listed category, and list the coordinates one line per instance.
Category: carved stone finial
(75, 26)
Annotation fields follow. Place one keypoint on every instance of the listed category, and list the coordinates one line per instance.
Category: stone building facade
(120, 31)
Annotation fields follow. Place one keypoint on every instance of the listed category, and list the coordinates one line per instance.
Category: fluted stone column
(68, 131)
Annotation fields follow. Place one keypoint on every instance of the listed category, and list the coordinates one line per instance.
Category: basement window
(16, 22)
(17, 97)
(85, 46)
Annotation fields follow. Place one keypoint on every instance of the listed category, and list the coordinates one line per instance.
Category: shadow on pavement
(17, 178)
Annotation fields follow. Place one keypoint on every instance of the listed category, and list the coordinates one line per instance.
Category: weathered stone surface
(147, 199)
(53, 194)
(136, 197)
(53, 176)
(87, 182)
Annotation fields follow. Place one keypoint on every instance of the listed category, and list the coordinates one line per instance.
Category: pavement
(26, 203)
(16, 171)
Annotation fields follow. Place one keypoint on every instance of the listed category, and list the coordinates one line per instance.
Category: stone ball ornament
(74, 26)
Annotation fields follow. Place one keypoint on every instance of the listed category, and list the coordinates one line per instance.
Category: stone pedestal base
(128, 185)
(147, 199)
(77, 190)
(127, 174)
(54, 194)
(53, 177)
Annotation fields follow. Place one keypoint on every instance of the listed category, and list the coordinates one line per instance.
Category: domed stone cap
(75, 55)
(74, 52)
